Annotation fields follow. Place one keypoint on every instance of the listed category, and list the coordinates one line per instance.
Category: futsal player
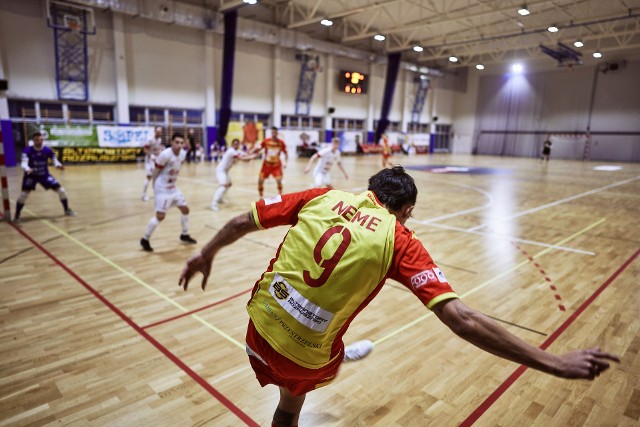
(151, 150)
(272, 164)
(229, 158)
(327, 157)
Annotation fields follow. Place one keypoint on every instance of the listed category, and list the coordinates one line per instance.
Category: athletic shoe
(358, 350)
(214, 207)
(69, 212)
(145, 198)
(16, 220)
(146, 245)
(187, 239)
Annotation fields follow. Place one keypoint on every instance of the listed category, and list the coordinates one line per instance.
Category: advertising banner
(124, 136)
(69, 136)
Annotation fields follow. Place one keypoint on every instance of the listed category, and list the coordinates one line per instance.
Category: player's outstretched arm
(486, 334)
(311, 160)
(232, 231)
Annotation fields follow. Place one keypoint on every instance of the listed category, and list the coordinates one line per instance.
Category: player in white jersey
(328, 156)
(230, 156)
(165, 191)
(151, 150)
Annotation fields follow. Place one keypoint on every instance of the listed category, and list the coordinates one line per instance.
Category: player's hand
(306, 170)
(585, 364)
(61, 167)
(28, 171)
(197, 263)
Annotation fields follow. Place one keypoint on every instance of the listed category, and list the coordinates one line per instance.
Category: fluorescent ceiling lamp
(578, 43)
(379, 37)
(553, 29)
(524, 11)
(453, 59)
(250, 1)
(326, 22)
(418, 48)
(597, 54)
(479, 67)
(517, 68)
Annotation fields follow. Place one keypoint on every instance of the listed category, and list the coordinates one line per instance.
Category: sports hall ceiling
(426, 32)
(475, 31)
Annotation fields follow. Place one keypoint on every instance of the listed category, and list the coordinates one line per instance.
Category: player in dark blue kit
(35, 162)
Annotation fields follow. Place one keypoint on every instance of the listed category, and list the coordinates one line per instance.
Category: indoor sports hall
(518, 121)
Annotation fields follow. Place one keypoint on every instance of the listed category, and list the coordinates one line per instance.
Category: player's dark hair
(36, 134)
(394, 188)
(274, 128)
(177, 135)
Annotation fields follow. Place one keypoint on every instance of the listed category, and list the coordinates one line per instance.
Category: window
(78, 113)
(348, 124)
(102, 113)
(20, 109)
(50, 112)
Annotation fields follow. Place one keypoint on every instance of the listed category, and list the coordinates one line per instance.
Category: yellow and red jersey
(272, 149)
(339, 251)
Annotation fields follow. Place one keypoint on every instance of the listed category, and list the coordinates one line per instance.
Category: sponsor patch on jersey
(422, 278)
(303, 310)
(272, 200)
(440, 275)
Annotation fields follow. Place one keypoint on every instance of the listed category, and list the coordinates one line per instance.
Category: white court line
(505, 237)
(557, 202)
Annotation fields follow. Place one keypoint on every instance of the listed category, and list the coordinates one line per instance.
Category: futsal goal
(574, 146)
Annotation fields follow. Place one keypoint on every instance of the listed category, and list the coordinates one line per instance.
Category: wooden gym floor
(97, 332)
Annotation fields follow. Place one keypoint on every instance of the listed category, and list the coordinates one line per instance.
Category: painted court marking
(493, 397)
(556, 203)
(488, 282)
(140, 282)
(173, 358)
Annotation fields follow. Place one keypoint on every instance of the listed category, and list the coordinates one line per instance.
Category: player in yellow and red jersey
(336, 256)
(272, 164)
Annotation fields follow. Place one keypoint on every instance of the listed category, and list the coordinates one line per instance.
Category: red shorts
(277, 369)
(274, 170)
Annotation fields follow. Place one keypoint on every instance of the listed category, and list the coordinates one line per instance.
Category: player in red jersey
(386, 151)
(272, 164)
(337, 253)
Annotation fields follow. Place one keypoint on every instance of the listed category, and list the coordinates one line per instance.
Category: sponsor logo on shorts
(422, 278)
(272, 200)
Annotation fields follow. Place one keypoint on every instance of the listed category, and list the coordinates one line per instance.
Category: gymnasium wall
(514, 112)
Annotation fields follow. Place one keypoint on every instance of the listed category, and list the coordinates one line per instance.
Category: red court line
(188, 313)
(197, 378)
(493, 397)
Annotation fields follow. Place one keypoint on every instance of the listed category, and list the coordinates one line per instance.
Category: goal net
(573, 146)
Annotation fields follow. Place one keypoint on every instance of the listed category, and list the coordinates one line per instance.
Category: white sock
(185, 224)
(219, 193)
(151, 227)
(145, 186)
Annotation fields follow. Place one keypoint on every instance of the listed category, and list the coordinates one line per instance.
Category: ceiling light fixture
(453, 59)
(524, 11)
(326, 22)
(479, 67)
(418, 48)
(250, 1)
(517, 67)
(597, 54)
(578, 43)
(552, 29)
(379, 37)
